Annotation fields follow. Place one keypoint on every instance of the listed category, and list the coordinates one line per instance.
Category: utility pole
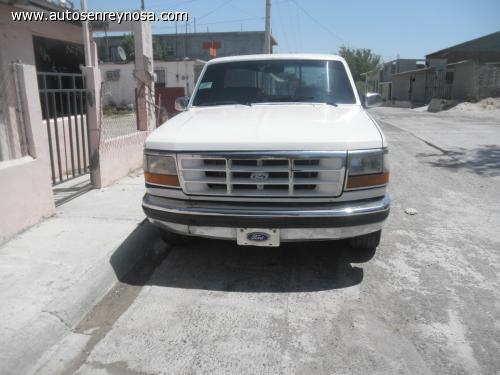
(176, 42)
(267, 35)
(186, 41)
(86, 35)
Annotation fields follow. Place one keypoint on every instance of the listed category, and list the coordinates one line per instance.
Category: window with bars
(160, 77)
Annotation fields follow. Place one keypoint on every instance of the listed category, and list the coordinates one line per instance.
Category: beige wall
(16, 44)
(25, 188)
(488, 80)
(121, 155)
(401, 86)
(463, 81)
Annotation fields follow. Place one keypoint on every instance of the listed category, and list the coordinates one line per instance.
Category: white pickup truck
(270, 148)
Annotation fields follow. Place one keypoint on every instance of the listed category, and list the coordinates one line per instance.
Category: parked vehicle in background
(270, 148)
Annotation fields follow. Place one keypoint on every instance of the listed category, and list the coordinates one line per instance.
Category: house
(172, 79)
(472, 68)
(483, 49)
(466, 71)
(25, 166)
(188, 45)
(380, 80)
(51, 128)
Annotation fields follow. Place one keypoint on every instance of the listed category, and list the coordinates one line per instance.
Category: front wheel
(367, 241)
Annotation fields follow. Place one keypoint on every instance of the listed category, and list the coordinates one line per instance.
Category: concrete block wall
(463, 86)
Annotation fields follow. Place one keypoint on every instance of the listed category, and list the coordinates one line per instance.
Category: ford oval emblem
(257, 236)
(259, 176)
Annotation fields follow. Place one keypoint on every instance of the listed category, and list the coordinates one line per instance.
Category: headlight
(367, 169)
(160, 170)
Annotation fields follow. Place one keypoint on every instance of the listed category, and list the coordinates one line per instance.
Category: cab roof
(278, 56)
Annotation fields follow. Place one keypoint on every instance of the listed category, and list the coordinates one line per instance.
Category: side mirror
(372, 99)
(181, 103)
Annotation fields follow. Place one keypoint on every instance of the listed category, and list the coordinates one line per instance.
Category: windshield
(285, 81)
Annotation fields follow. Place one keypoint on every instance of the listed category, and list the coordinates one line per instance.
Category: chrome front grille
(313, 174)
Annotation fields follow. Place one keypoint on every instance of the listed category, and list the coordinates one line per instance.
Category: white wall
(122, 92)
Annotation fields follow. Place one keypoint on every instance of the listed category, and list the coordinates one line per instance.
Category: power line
(294, 33)
(243, 11)
(216, 9)
(217, 22)
(318, 22)
(299, 31)
(283, 27)
(172, 6)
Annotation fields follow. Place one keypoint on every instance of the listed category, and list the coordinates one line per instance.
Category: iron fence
(63, 98)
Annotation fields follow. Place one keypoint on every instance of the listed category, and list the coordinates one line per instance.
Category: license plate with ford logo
(258, 237)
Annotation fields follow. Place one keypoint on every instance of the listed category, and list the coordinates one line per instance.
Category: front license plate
(257, 237)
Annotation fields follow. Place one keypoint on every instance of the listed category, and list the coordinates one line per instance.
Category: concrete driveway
(427, 302)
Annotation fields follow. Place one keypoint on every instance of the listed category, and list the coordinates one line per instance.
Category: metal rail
(64, 108)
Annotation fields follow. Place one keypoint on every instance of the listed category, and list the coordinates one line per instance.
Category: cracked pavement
(426, 302)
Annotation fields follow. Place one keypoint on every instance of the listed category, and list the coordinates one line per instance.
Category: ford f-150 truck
(268, 149)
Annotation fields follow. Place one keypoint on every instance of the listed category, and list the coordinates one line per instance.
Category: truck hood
(281, 127)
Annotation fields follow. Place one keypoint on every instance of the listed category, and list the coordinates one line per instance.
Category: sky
(390, 28)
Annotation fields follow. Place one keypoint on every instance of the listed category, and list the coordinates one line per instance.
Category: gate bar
(49, 132)
(54, 107)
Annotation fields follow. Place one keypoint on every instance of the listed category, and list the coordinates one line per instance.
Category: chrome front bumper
(299, 221)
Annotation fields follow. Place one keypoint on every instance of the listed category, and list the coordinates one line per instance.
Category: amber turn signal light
(161, 179)
(354, 182)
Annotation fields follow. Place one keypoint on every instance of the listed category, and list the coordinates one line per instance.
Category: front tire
(365, 242)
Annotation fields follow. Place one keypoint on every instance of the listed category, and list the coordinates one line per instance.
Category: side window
(340, 85)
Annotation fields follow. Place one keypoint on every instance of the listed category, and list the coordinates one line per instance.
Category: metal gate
(63, 98)
(436, 85)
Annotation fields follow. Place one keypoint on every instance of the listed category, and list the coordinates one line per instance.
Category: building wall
(488, 80)
(121, 92)
(473, 80)
(25, 188)
(401, 88)
(385, 89)
(191, 45)
(418, 94)
(484, 49)
(463, 86)
(397, 66)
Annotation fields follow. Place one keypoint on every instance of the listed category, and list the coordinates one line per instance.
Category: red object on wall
(168, 96)
(212, 47)
(212, 44)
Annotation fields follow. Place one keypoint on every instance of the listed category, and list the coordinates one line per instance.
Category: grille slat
(286, 175)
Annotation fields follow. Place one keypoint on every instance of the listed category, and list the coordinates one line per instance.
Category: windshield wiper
(329, 102)
(288, 98)
(226, 102)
